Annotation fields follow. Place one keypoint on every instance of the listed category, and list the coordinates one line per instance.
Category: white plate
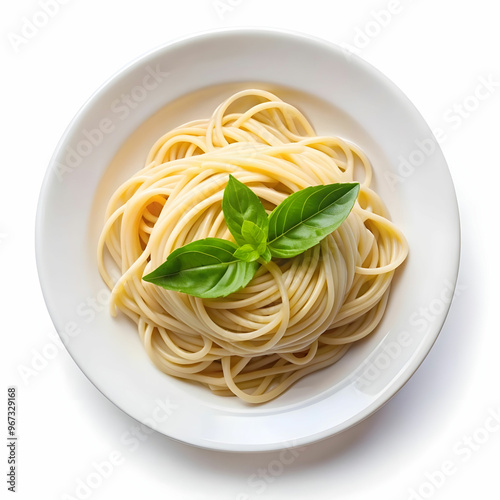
(341, 94)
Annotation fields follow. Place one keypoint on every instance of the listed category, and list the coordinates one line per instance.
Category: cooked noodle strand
(297, 315)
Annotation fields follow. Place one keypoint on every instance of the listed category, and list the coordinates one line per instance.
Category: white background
(437, 438)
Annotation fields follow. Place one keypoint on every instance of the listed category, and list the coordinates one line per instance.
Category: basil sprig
(214, 267)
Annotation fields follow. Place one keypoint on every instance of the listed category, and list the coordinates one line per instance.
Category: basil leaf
(254, 235)
(205, 268)
(266, 255)
(240, 204)
(247, 253)
(304, 218)
(213, 267)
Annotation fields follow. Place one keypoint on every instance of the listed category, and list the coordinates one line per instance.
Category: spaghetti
(296, 315)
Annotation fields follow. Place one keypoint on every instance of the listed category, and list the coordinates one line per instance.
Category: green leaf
(304, 218)
(213, 267)
(254, 235)
(266, 255)
(240, 204)
(247, 253)
(205, 268)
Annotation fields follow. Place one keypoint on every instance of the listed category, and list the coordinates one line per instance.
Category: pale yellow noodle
(297, 315)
